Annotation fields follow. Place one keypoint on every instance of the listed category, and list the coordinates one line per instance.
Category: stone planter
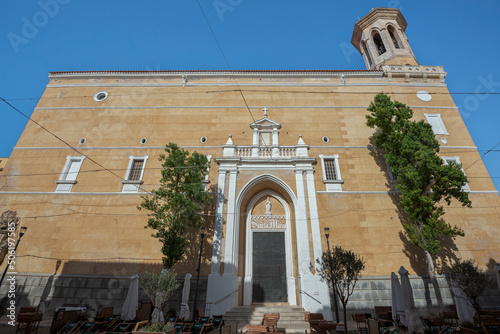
(170, 331)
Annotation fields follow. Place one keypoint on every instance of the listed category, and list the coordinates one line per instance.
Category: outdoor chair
(112, 321)
(450, 318)
(432, 325)
(271, 323)
(326, 327)
(91, 326)
(199, 328)
(360, 320)
(271, 320)
(179, 327)
(204, 320)
(384, 312)
(257, 328)
(217, 321)
(172, 319)
(123, 327)
(70, 327)
(103, 313)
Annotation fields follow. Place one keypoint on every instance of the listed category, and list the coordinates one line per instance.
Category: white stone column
(255, 144)
(231, 249)
(222, 291)
(314, 294)
(313, 214)
(303, 254)
(219, 212)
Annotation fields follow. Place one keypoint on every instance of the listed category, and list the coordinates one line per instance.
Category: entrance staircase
(292, 318)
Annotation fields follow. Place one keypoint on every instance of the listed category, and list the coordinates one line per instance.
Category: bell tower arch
(380, 38)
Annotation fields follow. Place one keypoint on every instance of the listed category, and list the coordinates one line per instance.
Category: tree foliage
(423, 179)
(467, 276)
(341, 269)
(159, 287)
(176, 204)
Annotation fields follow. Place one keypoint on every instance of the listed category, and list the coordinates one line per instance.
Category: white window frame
(456, 159)
(332, 185)
(129, 185)
(64, 184)
(437, 124)
(207, 181)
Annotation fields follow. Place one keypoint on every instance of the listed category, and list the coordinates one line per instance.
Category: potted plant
(159, 287)
(167, 328)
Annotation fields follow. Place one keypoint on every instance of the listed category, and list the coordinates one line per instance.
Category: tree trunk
(345, 317)
(432, 275)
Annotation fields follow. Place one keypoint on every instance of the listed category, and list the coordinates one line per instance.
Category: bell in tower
(380, 38)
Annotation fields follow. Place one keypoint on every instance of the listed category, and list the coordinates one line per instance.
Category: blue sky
(37, 37)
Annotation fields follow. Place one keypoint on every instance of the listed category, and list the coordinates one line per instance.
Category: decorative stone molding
(410, 72)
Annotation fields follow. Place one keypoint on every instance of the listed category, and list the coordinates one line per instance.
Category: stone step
(292, 318)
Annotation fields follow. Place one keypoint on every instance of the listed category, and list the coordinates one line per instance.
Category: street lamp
(327, 235)
(21, 233)
(202, 234)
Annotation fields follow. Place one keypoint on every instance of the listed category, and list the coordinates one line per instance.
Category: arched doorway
(269, 276)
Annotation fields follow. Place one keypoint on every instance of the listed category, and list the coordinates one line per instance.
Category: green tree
(423, 179)
(341, 269)
(176, 205)
(467, 276)
(159, 287)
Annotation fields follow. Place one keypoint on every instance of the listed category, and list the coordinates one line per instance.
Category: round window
(143, 141)
(326, 139)
(203, 139)
(424, 96)
(82, 141)
(100, 96)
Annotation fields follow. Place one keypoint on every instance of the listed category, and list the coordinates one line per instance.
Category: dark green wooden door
(269, 268)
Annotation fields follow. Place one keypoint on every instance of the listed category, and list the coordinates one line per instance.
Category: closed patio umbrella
(414, 323)
(41, 306)
(184, 313)
(465, 312)
(129, 307)
(398, 305)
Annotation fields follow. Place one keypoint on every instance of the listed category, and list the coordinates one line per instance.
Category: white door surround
(290, 279)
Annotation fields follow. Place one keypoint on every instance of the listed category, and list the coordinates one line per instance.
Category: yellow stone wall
(95, 228)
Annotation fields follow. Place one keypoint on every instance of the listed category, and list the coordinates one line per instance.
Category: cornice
(215, 73)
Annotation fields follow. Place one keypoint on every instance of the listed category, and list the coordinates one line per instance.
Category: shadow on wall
(95, 290)
(105, 283)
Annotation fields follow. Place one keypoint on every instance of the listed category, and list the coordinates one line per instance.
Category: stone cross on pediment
(265, 111)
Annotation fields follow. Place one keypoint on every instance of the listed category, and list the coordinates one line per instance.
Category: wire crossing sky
(67, 35)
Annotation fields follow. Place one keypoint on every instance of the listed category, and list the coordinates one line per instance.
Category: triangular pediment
(265, 123)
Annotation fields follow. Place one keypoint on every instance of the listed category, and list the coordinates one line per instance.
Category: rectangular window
(69, 173)
(437, 124)
(133, 176)
(331, 172)
(136, 170)
(448, 160)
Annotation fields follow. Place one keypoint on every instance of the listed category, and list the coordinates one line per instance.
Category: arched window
(379, 44)
(394, 37)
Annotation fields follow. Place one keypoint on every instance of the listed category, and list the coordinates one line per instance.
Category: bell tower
(380, 38)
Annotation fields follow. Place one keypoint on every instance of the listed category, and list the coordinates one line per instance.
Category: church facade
(290, 159)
